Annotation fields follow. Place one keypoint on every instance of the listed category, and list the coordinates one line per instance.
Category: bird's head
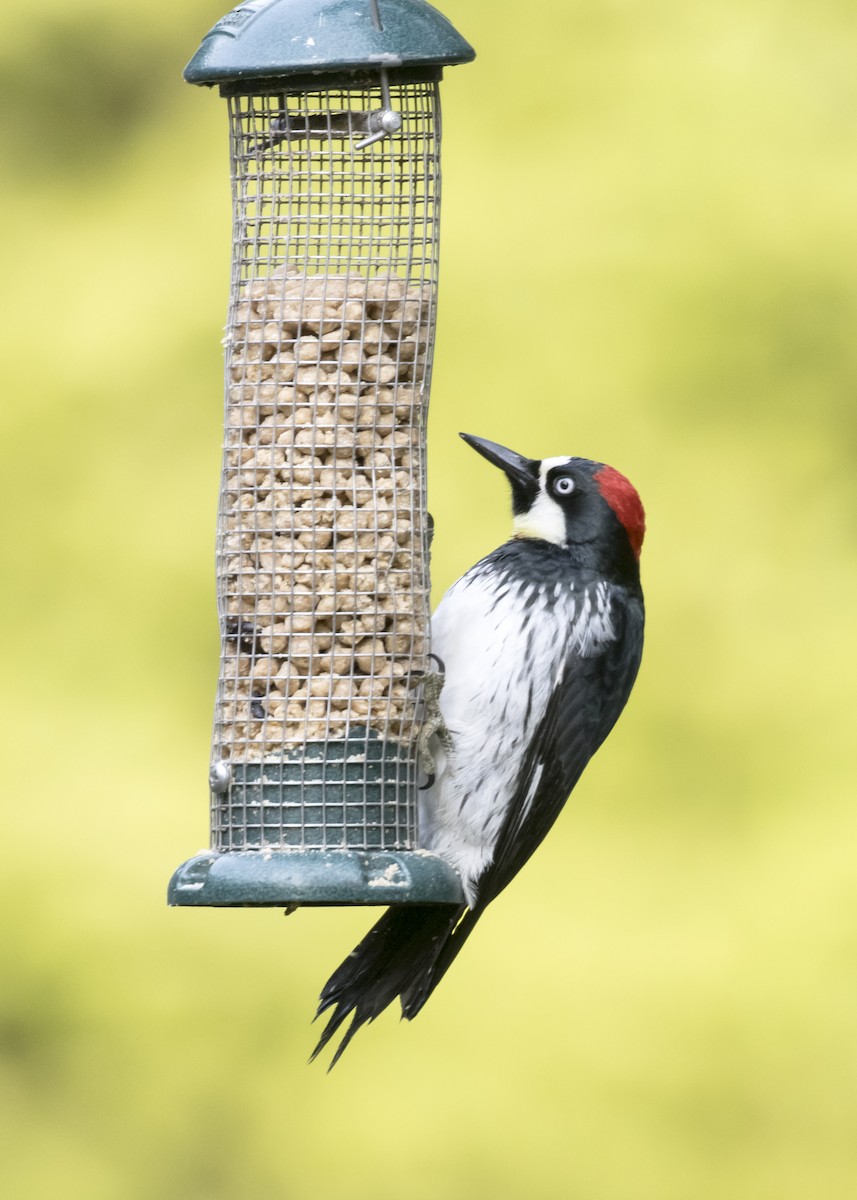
(569, 501)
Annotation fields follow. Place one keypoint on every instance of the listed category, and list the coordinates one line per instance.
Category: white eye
(564, 486)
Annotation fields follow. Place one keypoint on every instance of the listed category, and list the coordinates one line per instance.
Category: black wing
(580, 714)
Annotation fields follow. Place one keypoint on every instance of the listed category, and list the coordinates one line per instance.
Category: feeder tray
(323, 535)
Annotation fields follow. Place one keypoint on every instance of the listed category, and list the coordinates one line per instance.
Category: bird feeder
(323, 535)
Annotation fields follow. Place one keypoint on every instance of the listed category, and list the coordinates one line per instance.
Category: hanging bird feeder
(323, 535)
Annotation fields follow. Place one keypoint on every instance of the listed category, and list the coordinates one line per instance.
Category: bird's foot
(433, 725)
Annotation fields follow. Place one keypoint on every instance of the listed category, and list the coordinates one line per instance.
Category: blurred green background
(649, 257)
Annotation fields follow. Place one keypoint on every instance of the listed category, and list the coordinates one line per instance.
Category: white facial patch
(545, 519)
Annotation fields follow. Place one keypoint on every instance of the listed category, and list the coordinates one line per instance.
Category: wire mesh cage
(323, 534)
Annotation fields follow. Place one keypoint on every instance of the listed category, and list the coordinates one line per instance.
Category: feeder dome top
(272, 39)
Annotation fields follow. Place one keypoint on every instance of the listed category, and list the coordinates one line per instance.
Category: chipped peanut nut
(352, 312)
(385, 402)
(341, 381)
(346, 410)
(307, 349)
(256, 372)
(308, 378)
(381, 369)
(372, 339)
(407, 351)
(351, 356)
(402, 644)
(370, 655)
(376, 416)
(242, 393)
(332, 339)
(302, 598)
(244, 312)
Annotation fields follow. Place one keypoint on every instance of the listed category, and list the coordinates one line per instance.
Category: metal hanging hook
(383, 121)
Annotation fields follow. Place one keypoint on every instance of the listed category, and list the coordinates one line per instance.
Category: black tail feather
(422, 987)
(406, 953)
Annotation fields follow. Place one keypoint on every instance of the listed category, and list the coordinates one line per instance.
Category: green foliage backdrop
(649, 257)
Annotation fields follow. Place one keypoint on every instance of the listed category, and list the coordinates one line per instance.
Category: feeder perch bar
(323, 535)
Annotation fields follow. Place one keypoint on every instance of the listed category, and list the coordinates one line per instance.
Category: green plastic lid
(270, 39)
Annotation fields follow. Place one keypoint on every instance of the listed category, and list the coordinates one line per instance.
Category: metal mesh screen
(322, 533)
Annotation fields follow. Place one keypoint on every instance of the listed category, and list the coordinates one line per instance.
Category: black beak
(522, 473)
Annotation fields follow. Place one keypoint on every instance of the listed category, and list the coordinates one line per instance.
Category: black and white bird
(541, 642)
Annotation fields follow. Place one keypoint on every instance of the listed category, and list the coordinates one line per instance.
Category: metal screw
(219, 778)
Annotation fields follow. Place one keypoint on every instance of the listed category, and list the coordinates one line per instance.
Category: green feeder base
(293, 878)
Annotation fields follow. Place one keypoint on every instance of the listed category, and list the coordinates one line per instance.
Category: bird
(540, 644)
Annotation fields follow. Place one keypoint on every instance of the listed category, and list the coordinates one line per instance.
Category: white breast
(503, 661)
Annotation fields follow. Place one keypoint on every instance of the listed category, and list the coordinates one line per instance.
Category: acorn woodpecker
(540, 644)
